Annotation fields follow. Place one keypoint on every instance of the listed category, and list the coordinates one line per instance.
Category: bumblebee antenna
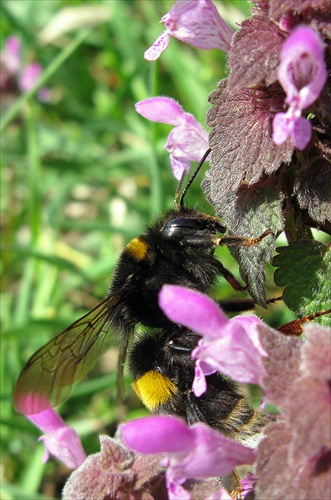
(179, 187)
(195, 173)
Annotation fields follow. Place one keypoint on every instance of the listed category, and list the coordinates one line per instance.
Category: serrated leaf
(254, 53)
(304, 269)
(249, 213)
(313, 189)
(240, 137)
(279, 9)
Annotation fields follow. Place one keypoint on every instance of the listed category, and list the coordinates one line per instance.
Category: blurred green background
(81, 175)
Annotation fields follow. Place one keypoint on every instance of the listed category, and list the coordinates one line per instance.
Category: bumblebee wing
(48, 376)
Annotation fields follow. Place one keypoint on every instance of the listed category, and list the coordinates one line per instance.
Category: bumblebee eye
(191, 231)
(220, 228)
(174, 226)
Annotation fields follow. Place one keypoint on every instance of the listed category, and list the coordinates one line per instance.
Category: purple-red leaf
(313, 190)
(240, 137)
(279, 8)
(254, 53)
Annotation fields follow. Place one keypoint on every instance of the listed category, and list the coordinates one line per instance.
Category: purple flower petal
(188, 139)
(192, 309)
(250, 323)
(60, 439)
(301, 133)
(193, 452)
(187, 142)
(302, 73)
(11, 55)
(247, 484)
(288, 124)
(229, 346)
(29, 76)
(44, 94)
(302, 70)
(164, 434)
(234, 354)
(179, 166)
(159, 46)
(199, 383)
(31, 403)
(281, 128)
(196, 22)
(161, 109)
(175, 490)
(220, 454)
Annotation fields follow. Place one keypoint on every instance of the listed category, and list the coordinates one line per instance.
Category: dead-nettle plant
(270, 169)
(270, 133)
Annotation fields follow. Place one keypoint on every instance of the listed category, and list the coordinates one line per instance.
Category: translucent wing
(48, 376)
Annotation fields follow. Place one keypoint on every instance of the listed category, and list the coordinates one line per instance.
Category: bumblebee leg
(241, 241)
(295, 327)
(241, 305)
(231, 279)
(231, 483)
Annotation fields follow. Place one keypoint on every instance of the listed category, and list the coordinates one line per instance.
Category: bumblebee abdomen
(162, 369)
(154, 389)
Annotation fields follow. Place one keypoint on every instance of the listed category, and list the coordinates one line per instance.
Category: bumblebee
(177, 249)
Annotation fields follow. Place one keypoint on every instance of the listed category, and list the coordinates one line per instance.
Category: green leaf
(304, 269)
(249, 213)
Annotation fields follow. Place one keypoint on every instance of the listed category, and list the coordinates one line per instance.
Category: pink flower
(187, 142)
(297, 446)
(60, 439)
(196, 22)
(247, 484)
(11, 55)
(24, 77)
(29, 76)
(229, 346)
(302, 74)
(193, 452)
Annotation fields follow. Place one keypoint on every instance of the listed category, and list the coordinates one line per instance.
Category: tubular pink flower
(60, 439)
(169, 434)
(196, 22)
(11, 55)
(233, 354)
(247, 484)
(302, 71)
(29, 76)
(193, 310)
(302, 74)
(193, 452)
(229, 346)
(187, 142)
(25, 77)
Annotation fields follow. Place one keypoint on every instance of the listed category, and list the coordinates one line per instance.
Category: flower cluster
(294, 454)
(192, 452)
(295, 375)
(15, 74)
